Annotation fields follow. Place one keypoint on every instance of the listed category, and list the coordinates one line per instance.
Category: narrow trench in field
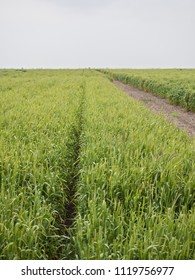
(72, 161)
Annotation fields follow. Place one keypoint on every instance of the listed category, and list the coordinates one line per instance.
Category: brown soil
(177, 115)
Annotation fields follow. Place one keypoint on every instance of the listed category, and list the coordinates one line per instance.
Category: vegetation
(177, 85)
(89, 173)
(136, 181)
(39, 110)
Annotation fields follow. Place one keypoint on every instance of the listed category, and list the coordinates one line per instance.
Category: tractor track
(175, 114)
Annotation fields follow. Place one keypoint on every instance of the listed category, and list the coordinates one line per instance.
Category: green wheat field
(88, 173)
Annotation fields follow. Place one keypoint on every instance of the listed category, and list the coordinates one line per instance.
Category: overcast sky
(97, 33)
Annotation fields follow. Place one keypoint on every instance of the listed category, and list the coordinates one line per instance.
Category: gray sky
(97, 33)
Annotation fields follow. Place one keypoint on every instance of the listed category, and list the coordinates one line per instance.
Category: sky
(97, 33)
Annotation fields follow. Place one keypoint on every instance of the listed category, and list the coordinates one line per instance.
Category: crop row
(39, 120)
(88, 173)
(135, 194)
(178, 86)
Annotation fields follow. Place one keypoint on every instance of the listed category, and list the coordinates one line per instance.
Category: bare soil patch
(177, 115)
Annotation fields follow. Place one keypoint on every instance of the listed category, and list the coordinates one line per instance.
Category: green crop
(88, 173)
(38, 115)
(135, 196)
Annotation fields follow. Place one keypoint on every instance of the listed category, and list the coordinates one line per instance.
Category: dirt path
(177, 115)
